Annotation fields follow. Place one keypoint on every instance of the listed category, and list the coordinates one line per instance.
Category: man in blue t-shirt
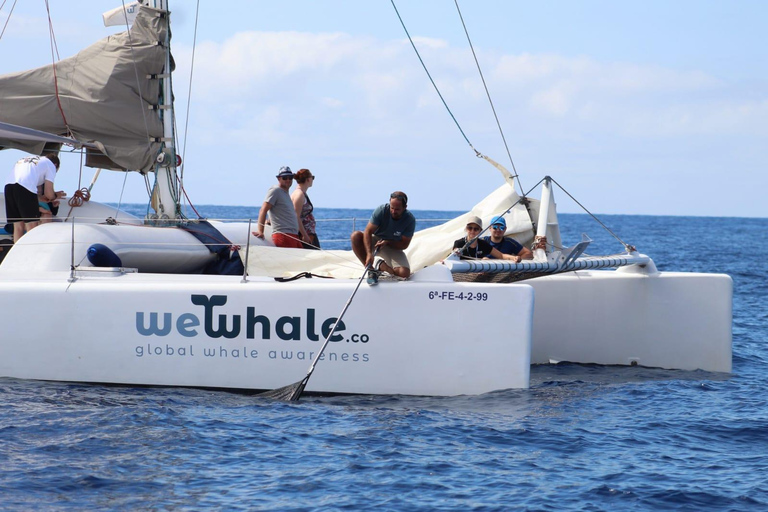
(388, 234)
(506, 245)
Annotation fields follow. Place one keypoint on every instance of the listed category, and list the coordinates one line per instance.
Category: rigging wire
(9, 16)
(506, 146)
(520, 200)
(431, 80)
(189, 95)
(54, 58)
(627, 246)
(487, 93)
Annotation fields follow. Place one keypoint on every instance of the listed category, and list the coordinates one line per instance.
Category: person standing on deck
(303, 206)
(285, 224)
(389, 232)
(504, 244)
(21, 191)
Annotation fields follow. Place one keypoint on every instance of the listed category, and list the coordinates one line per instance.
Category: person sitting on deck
(388, 233)
(285, 224)
(48, 209)
(506, 245)
(478, 248)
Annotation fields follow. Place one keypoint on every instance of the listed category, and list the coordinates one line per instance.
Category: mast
(165, 198)
(547, 228)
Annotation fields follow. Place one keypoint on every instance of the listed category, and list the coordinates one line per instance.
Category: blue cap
(499, 220)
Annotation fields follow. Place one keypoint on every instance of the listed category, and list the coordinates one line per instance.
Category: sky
(654, 107)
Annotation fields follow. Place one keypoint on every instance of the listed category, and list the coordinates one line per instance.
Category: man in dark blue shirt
(506, 245)
(388, 234)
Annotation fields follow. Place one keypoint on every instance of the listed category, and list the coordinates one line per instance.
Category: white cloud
(383, 81)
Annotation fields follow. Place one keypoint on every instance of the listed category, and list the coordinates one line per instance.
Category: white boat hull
(667, 320)
(398, 338)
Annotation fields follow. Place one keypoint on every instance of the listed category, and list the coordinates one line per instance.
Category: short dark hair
(397, 194)
(53, 158)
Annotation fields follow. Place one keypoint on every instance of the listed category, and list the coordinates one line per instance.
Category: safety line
(430, 78)
(487, 93)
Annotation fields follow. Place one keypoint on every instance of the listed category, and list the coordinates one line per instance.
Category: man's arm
(48, 193)
(525, 254)
(259, 233)
(370, 229)
(400, 245)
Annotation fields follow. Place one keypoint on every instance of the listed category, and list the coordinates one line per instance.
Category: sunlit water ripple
(581, 438)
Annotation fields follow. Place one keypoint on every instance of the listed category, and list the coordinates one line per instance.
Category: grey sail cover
(104, 94)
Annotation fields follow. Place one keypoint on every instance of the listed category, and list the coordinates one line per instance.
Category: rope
(9, 16)
(54, 58)
(431, 80)
(488, 94)
(79, 197)
(629, 248)
(189, 99)
(82, 194)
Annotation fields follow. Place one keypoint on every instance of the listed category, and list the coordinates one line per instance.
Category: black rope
(302, 275)
(431, 80)
(628, 247)
(487, 93)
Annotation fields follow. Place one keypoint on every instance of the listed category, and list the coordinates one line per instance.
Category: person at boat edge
(21, 191)
(48, 209)
(282, 215)
(506, 245)
(304, 208)
(479, 248)
(390, 231)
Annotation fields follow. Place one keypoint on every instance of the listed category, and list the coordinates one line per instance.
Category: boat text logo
(229, 326)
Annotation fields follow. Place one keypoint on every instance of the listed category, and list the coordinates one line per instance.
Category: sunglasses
(399, 197)
(473, 228)
(286, 178)
(497, 226)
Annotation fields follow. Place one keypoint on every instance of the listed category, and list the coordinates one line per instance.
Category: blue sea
(581, 438)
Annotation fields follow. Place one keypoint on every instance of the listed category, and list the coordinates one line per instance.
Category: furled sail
(102, 95)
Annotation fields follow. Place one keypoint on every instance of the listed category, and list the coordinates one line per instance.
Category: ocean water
(582, 437)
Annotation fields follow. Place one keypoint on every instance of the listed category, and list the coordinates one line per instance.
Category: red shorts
(289, 240)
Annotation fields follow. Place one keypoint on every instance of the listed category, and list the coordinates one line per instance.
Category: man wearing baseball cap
(506, 245)
(282, 215)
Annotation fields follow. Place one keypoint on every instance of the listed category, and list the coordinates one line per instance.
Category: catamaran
(102, 296)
